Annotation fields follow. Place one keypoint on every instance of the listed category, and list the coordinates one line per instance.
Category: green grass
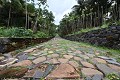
(104, 51)
(113, 76)
(89, 29)
(85, 47)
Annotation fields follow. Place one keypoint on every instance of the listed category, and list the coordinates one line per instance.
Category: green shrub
(16, 32)
(113, 76)
(41, 35)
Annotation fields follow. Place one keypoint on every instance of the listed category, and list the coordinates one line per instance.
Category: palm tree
(39, 13)
(26, 14)
(9, 1)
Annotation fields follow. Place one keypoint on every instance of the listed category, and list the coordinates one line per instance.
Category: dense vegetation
(90, 14)
(21, 18)
(24, 33)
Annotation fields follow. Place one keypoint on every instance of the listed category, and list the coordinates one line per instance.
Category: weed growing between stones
(113, 76)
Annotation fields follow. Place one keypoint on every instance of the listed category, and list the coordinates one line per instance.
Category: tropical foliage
(89, 14)
(25, 14)
(23, 33)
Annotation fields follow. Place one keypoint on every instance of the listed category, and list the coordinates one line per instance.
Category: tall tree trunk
(119, 11)
(28, 22)
(35, 26)
(91, 20)
(98, 16)
(95, 20)
(102, 15)
(9, 16)
(83, 22)
(26, 15)
(80, 23)
(116, 12)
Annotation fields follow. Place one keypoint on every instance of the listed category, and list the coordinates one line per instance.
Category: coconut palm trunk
(119, 12)
(102, 14)
(26, 15)
(28, 21)
(9, 16)
(35, 26)
(91, 19)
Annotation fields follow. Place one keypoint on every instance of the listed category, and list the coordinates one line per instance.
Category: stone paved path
(58, 59)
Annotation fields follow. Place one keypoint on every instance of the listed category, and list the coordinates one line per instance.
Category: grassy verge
(89, 48)
(104, 51)
(89, 29)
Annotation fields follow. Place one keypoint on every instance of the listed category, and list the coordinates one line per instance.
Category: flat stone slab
(62, 60)
(39, 60)
(98, 60)
(53, 56)
(105, 69)
(113, 62)
(46, 49)
(50, 52)
(29, 74)
(22, 57)
(48, 70)
(38, 74)
(63, 71)
(74, 64)
(7, 55)
(91, 72)
(7, 62)
(84, 56)
(31, 57)
(30, 50)
(106, 58)
(115, 67)
(78, 52)
(90, 55)
(88, 78)
(53, 61)
(37, 54)
(97, 77)
(68, 56)
(87, 65)
(77, 58)
(24, 63)
(13, 72)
